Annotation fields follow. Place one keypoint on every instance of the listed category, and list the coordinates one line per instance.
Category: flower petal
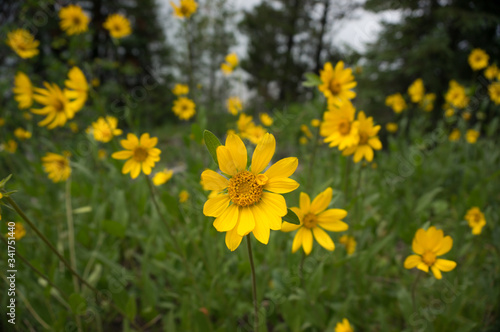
(263, 153)
(238, 151)
(321, 202)
(136, 170)
(233, 240)
(334, 226)
(307, 240)
(436, 272)
(131, 142)
(226, 162)
(274, 203)
(305, 203)
(323, 239)
(283, 168)
(228, 219)
(214, 207)
(121, 155)
(246, 222)
(281, 185)
(289, 227)
(297, 241)
(261, 230)
(445, 265)
(445, 246)
(412, 261)
(213, 180)
(331, 215)
(423, 267)
(273, 219)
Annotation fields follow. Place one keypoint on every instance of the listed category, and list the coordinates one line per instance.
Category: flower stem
(254, 286)
(312, 161)
(414, 290)
(346, 179)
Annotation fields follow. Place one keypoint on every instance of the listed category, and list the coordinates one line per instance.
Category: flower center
(363, 138)
(76, 20)
(117, 28)
(245, 188)
(310, 220)
(140, 154)
(58, 105)
(344, 127)
(429, 258)
(335, 87)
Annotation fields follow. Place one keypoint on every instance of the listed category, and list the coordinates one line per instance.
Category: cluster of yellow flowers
(249, 130)
(230, 64)
(183, 107)
(478, 59)
(185, 9)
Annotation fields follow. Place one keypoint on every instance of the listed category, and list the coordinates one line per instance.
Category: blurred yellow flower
(494, 92)
(315, 123)
(456, 95)
(73, 20)
(454, 135)
(476, 220)
(10, 146)
(23, 90)
(338, 126)
(233, 105)
(180, 89)
(95, 82)
(141, 154)
(183, 196)
(305, 129)
(314, 217)
(19, 230)
(337, 83)
(2, 122)
(391, 127)
(427, 102)
(478, 59)
(230, 64)
(73, 126)
(449, 111)
(428, 245)
(104, 129)
(254, 134)
(118, 26)
(57, 166)
(249, 201)
(349, 242)
(416, 91)
(185, 9)
(77, 87)
(466, 116)
(471, 136)
(184, 108)
(343, 326)
(162, 177)
(266, 119)
(396, 102)
(491, 72)
(22, 134)
(368, 140)
(23, 43)
(244, 122)
(102, 154)
(303, 140)
(27, 116)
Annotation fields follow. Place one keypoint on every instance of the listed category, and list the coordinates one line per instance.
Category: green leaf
(292, 218)
(77, 303)
(114, 228)
(131, 308)
(4, 181)
(197, 133)
(212, 143)
(311, 80)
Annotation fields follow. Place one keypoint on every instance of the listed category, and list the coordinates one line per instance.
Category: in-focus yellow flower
(58, 108)
(471, 136)
(2, 122)
(23, 90)
(10, 146)
(230, 64)
(77, 86)
(314, 218)
(104, 129)
(102, 154)
(343, 326)
(73, 20)
(266, 119)
(118, 26)
(22, 134)
(338, 126)
(349, 242)
(491, 72)
(456, 95)
(184, 108)
(396, 102)
(141, 154)
(180, 89)
(494, 92)
(307, 132)
(19, 230)
(57, 166)
(315, 123)
(478, 59)
(428, 245)
(250, 200)
(454, 135)
(416, 91)
(183, 196)
(368, 139)
(427, 102)
(476, 220)
(185, 9)
(391, 127)
(234, 105)
(23, 43)
(162, 177)
(337, 83)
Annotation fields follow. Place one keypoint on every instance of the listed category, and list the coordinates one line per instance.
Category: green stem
(346, 179)
(414, 290)
(301, 269)
(312, 161)
(254, 286)
(71, 232)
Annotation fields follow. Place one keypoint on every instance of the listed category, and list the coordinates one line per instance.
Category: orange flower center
(429, 258)
(363, 138)
(140, 154)
(76, 20)
(58, 105)
(310, 220)
(245, 188)
(344, 127)
(335, 87)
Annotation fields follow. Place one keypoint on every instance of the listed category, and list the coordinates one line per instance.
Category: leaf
(77, 303)
(311, 80)
(83, 209)
(292, 218)
(114, 228)
(426, 199)
(212, 143)
(4, 181)
(131, 308)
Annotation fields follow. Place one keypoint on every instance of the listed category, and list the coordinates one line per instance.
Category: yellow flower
(58, 107)
(305, 129)
(2, 122)
(303, 140)
(338, 126)
(56, 166)
(10, 146)
(184, 108)
(73, 126)
(349, 242)
(23, 90)
(456, 95)
(23, 43)
(141, 154)
(427, 102)
(27, 115)
(494, 92)
(104, 129)
(254, 134)
(416, 90)
(471, 136)
(19, 230)
(491, 72)
(234, 105)
(162, 177)
(244, 122)
(454, 135)
(396, 102)
(22, 134)
(466, 116)
(478, 59)
(368, 140)
(315, 123)
(344, 326)
(314, 217)
(266, 119)
(249, 201)
(95, 82)
(428, 245)
(230, 64)
(118, 26)
(449, 111)
(391, 127)
(476, 220)
(180, 89)
(73, 20)
(183, 196)
(337, 83)
(102, 154)
(78, 86)
(185, 9)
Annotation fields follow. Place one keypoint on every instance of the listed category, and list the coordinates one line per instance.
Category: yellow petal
(226, 162)
(323, 239)
(274, 204)
(213, 180)
(375, 143)
(445, 265)
(283, 168)
(417, 247)
(423, 267)
(238, 151)
(321, 202)
(436, 272)
(146, 169)
(307, 240)
(288, 227)
(131, 142)
(331, 215)
(214, 207)
(136, 170)
(228, 219)
(246, 222)
(412, 261)
(125, 154)
(233, 240)
(263, 153)
(297, 241)
(281, 185)
(305, 203)
(445, 246)
(334, 226)
(273, 219)
(261, 230)
(298, 212)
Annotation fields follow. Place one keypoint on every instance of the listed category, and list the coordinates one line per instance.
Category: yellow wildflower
(454, 135)
(185, 9)
(57, 166)
(349, 242)
(233, 105)
(471, 136)
(416, 91)
(184, 108)
(23, 43)
(118, 26)
(478, 59)
(339, 127)
(396, 102)
(22, 134)
(183, 196)
(368, 139)
(104, 129)
(337, 83)
(391, 127)
(494, 92)
(162, 177)
(476, 220)
(141, 154)
(491, 72)
(23, 90)
(266, 119)
(344, 326)
(73, 20)
(180, 89)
